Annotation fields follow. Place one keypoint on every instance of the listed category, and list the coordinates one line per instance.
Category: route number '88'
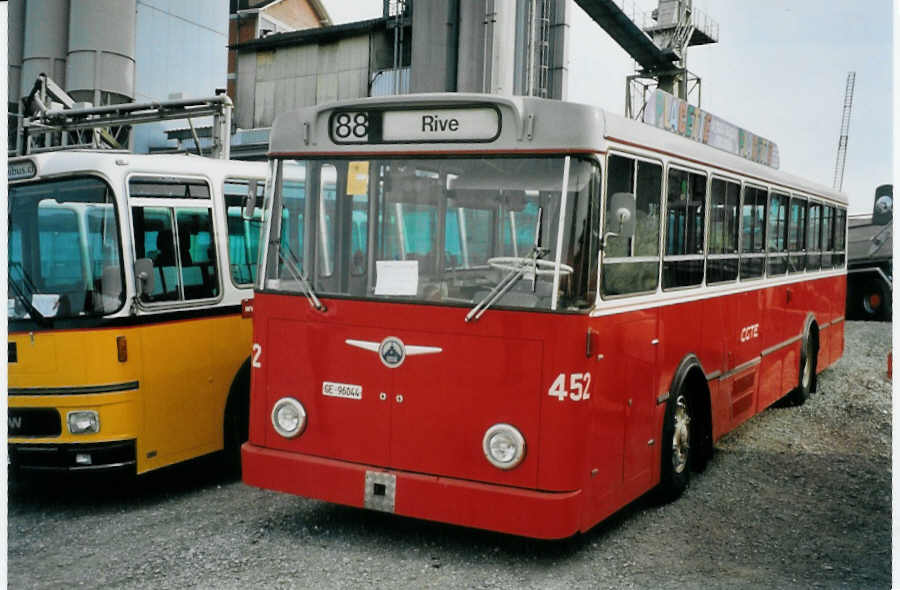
(578, 387)
(351, 126)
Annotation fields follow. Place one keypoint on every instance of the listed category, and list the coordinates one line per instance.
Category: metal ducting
(45, 43)
(100, 59)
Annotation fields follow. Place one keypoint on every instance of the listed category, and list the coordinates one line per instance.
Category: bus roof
(62, 162)
(522, 125)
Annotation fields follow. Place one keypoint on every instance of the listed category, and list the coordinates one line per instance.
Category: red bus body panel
(423, 421)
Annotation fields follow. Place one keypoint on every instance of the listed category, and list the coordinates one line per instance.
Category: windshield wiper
(40, 318)
(298, 275)
(519, 266)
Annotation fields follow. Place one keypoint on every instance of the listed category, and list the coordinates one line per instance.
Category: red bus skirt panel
(546, 515)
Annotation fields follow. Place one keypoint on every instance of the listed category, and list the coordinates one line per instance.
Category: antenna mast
(845, 130)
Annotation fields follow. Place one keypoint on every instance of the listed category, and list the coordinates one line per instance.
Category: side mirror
(250, 201)
(143, 273)
(883, 211)
(622, 221)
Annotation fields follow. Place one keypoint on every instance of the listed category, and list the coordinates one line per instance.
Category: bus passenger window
(777, 235)
(632, 265)
(199, 267)
(753, 227)
(154, 238)
(243, 234)
(797, 235)
(722, 262)
(814, 238)
(684, 261)
(827, 237)
(840, 235)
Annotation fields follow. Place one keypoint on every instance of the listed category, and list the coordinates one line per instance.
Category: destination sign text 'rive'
(440, 125)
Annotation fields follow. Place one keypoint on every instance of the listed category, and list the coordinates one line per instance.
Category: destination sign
(439, 125)
(21, 170)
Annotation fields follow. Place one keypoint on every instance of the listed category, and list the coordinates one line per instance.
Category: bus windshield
(64, 250)
(438, 230)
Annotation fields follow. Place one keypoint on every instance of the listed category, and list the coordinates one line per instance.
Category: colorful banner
(677, 116)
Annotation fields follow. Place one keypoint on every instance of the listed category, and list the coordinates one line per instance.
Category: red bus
(520, 314)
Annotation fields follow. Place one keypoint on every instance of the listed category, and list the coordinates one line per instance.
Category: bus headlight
(504, 446)
(288, 417)
(83, 422)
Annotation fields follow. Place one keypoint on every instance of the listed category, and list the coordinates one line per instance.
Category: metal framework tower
(845, 131)
(658, 45)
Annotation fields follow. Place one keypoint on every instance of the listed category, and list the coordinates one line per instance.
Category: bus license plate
(344, 390)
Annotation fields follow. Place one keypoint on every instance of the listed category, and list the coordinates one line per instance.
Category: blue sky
(779, 70)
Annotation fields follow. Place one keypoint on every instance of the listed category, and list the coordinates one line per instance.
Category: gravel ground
(794, 498)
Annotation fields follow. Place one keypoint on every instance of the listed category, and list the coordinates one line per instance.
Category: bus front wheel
(675, 463)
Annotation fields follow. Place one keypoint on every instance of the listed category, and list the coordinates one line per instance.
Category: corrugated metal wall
(293, 77)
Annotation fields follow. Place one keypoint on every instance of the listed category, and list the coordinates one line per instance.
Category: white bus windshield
(439, 230)
(64, 252)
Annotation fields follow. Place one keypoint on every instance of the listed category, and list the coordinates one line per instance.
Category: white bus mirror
(249, 201)
(621, 208)
(143, 274)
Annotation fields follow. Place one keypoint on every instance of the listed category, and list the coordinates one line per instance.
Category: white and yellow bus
(127, 347)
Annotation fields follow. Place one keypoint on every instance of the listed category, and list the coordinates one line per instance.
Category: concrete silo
(45, 42)
(101, 47)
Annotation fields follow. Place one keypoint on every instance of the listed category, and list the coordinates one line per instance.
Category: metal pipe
(450, 83)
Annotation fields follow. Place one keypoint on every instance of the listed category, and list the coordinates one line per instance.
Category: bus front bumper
(544, 515)
(73, 457)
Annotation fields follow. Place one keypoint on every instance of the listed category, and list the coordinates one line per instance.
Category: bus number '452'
(578, 390)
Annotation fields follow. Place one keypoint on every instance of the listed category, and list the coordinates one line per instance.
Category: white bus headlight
(504, 446)
(83, 422)
(288, 417)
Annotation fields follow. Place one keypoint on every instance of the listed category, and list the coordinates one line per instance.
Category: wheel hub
(681, 437)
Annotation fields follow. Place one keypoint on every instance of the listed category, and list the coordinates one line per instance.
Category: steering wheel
(515, 263)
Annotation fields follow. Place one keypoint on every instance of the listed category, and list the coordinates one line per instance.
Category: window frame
(664, 234)
(736, 255)
(754, 253)
(213, 204)
(602, 259)
(260, 201)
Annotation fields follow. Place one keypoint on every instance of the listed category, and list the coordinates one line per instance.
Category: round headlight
(504, 446)
(288, 417)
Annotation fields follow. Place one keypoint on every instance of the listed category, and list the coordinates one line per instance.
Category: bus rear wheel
(807, 381)
(676, 456)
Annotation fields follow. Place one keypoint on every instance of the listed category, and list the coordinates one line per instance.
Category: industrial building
(273, 56)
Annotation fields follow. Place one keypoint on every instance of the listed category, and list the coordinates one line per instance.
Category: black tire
(874, 301)
(676, 455)
(806, 382)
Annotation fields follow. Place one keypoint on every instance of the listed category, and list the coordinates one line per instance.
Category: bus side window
(243, 234)
(684, 260)
(197, 253)
(753, 228)
(840, 235)
(777, 234)
(722, 262)
(154, 238)
(622, 273)
(814, 238)
(797, 234)
(827, 236)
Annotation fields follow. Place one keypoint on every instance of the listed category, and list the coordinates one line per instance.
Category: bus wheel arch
(687, 428)
(236, 419)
